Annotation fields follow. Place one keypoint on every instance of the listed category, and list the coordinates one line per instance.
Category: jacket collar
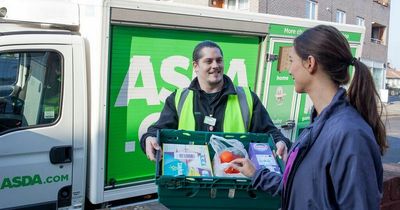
(227, 89)
(317, 122)
(337, 101)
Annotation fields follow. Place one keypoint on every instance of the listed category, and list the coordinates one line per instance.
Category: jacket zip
(289, 183)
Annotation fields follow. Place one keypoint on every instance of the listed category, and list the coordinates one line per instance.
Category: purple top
(289, 164)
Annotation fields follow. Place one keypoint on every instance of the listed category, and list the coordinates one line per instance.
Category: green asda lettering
(141, 65)
(24, 181)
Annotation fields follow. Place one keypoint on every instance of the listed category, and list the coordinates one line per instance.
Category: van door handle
(288, 125)
(61, 154)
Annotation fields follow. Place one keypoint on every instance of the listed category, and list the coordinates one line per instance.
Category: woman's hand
(244, 165)
(281, 150)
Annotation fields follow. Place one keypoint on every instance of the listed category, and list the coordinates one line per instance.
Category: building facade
(393, 81)
(373, 14)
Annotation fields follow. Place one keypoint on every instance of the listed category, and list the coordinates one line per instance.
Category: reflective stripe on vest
(184, 104)
(238, 112)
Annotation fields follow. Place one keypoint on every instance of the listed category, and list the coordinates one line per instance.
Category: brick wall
(292, 8)
(367, 9)
(391, 187)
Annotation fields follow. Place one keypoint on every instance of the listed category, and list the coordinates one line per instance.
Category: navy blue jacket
(338, 165)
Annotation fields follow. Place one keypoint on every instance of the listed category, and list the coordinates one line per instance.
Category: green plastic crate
(189, 192)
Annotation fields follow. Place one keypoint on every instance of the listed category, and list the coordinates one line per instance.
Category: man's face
(210, 67)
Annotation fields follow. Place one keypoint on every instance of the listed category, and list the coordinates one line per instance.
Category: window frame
(382, 30)
(61, 97)
(311, 6)
(360, 20)
(340, 16)
(237, 5)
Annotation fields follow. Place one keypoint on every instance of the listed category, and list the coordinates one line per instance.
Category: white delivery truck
(80, 81)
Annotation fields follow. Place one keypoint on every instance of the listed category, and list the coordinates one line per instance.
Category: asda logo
(142, 65)
(25, 181)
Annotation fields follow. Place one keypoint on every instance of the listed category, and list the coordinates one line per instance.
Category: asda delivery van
(80, 82)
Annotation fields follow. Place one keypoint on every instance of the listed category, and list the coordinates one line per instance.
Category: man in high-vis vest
(213, 103)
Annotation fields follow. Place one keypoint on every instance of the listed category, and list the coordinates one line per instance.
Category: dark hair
(207, 43)
(332, 52)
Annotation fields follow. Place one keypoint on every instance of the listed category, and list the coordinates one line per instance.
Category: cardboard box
(187, 160)
(263, 157)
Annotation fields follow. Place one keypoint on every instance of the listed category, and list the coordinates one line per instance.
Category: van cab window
(30, 89)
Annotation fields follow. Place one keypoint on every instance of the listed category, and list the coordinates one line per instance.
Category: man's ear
(195, 66)
(311, 64)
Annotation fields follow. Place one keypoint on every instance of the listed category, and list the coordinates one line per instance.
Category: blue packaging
(262, 157)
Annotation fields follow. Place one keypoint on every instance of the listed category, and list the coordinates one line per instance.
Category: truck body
(80, 82)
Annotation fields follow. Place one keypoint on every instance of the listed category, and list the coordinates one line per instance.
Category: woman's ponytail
(364, 97)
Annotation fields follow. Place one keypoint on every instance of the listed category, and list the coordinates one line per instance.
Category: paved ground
(393, 133)
(148, 205)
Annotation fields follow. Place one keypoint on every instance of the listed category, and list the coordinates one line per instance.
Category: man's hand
(281, 150)
(244, 165)
(151, 147)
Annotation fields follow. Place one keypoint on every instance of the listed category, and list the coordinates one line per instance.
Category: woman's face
(298, 71)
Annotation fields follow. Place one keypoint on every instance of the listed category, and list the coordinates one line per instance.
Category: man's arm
(168, 119)
(262, 123)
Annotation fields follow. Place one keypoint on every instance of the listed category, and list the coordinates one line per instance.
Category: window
(377, 33)
(217, 3)
(340, 16)
(242, 5)
(231, 4)
(311, 9)
(30, 89)
(9, 70)
(360, 21)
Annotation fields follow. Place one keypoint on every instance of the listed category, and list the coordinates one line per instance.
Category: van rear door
(36, 120)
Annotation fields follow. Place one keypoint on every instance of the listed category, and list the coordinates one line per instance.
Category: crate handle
(193, 192)
(252, 194)
(186, 134)
(213, 193)
(227, 136)
(231, 193)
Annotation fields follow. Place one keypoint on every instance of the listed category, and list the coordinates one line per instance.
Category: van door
(279, 95)
(35, 126)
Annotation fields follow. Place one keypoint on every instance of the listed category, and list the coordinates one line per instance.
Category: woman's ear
(311, 64)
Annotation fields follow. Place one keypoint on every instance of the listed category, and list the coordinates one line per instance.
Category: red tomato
(231, 170)
(226, 156)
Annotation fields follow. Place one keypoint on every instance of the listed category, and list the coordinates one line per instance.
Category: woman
(336, 163)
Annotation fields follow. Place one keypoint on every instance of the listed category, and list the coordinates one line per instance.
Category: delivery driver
(213, 103)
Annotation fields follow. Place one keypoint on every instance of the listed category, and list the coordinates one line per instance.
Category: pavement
(391, 118)
(392, 123)
(392, 109)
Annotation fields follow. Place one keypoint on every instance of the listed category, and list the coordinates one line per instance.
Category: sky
(394, 34)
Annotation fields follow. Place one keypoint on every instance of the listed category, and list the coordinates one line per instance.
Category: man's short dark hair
(201, 45)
